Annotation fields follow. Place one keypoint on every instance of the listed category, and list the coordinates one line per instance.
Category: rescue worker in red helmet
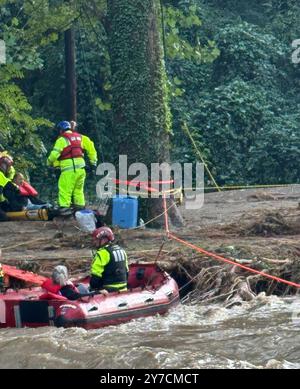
(10, 197)
(109, 270)
(11, 170)
(68, 156)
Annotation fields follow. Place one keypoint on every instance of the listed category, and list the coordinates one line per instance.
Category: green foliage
(18, 128)
(94, 78)
(180, 43)
(102, 105)
(248, 52)
(237, 120)
(25, 27)
(275, 152)
(230, 78)
(243, 107)
(188, 51)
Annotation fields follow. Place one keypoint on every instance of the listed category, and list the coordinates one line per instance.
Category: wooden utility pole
(71, 83)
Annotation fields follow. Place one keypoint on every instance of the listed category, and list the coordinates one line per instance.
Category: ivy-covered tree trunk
(141, 115)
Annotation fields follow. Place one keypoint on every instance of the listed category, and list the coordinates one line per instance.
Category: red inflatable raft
(151, 291)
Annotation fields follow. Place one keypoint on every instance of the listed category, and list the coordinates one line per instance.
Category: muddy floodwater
(262, 334)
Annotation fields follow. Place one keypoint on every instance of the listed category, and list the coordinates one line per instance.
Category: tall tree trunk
(141, 114)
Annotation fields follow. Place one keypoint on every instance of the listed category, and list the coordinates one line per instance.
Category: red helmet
(6, 162)
(103, 235)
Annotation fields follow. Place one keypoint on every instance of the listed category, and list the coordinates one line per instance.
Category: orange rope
(166, 215)
(219, 257)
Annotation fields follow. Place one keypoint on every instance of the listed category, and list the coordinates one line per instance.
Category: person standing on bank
(68, 156)
(60, 284)
(109, 270)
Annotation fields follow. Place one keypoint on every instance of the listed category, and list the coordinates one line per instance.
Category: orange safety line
(166, 215)
(143, 184)
(136, 182)
(218, 257)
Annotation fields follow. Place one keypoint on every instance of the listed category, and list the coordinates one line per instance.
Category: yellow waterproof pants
(71, 188)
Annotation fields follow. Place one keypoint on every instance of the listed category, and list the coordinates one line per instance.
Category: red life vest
(74, 149)
(27, 190)
(51, 287)
(54, 288)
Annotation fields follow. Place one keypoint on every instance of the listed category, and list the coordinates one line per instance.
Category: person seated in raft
(10, 195)
(109, 270)
(60, 284)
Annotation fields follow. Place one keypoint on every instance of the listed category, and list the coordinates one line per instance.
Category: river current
(264, 333)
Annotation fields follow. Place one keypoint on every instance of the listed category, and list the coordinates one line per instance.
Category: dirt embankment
(257, 228)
